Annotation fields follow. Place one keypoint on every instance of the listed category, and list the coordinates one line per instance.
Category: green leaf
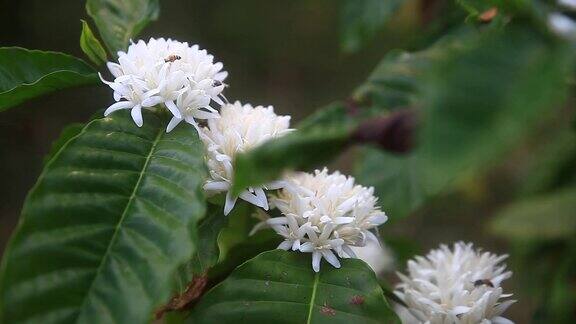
(237, 230)
(91, 45)
(67, 133)
(120, 20)
(543, 217)
(551, 165)
(397, 80)
(112, 216)
(361, 20)
(207, 254)
(483, 98)
(393, 83)
(240, 252)
(305, 148)
(396, 180)
(281, 287)
(474, 7)
(217, 233)
(26, 74)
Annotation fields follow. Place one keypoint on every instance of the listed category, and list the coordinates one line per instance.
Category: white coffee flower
(460, 286)
(325, 213)
(239, 128)
(179, 77)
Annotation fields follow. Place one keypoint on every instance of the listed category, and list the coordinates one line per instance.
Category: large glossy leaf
(281, 287)
(25, 74)
(120, 20)
(550, 216)
(112, 216)
(360, 20)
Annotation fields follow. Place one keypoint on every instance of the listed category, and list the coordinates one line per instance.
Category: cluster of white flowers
(460, 286)
(184, 79)
(239, 128)
(325, 214)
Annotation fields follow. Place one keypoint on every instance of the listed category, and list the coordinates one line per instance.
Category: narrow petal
(152, 101)
(217, 186)
(316, 257)
(274, 185)
(285, 245)
(296, 245)
(172, 124)
(277, 221)
(258, 227)
(349, 251)
(501, 320)
(307, 247)
(261, 196)
(251, 198)
(136, 113)
(220, 76)
(230, 202)
(118, 106)
(173, 109)
(331, 258)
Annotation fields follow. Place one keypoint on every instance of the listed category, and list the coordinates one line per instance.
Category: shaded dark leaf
(26, 74)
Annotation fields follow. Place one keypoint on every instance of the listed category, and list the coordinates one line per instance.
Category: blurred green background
(284, 53)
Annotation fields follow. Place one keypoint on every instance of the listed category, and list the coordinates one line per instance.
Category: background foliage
(509, 157)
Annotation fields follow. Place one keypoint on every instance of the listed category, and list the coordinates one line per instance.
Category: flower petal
(173, 123)
(173, 109)
(118, 106)
(136, 113)
(230, 202)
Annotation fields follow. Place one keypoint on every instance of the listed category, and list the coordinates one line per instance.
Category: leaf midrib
(122, 217)
(313, 298)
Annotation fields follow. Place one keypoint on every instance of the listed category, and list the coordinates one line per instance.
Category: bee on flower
(166, 73)
(459, 285)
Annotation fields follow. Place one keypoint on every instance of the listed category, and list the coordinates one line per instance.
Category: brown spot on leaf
(357, 300)
(327, 310)
(181, 301)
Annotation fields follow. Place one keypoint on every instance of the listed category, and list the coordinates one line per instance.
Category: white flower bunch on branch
(325, 214)
(239, 128)
(459, 285)
(184, 79)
